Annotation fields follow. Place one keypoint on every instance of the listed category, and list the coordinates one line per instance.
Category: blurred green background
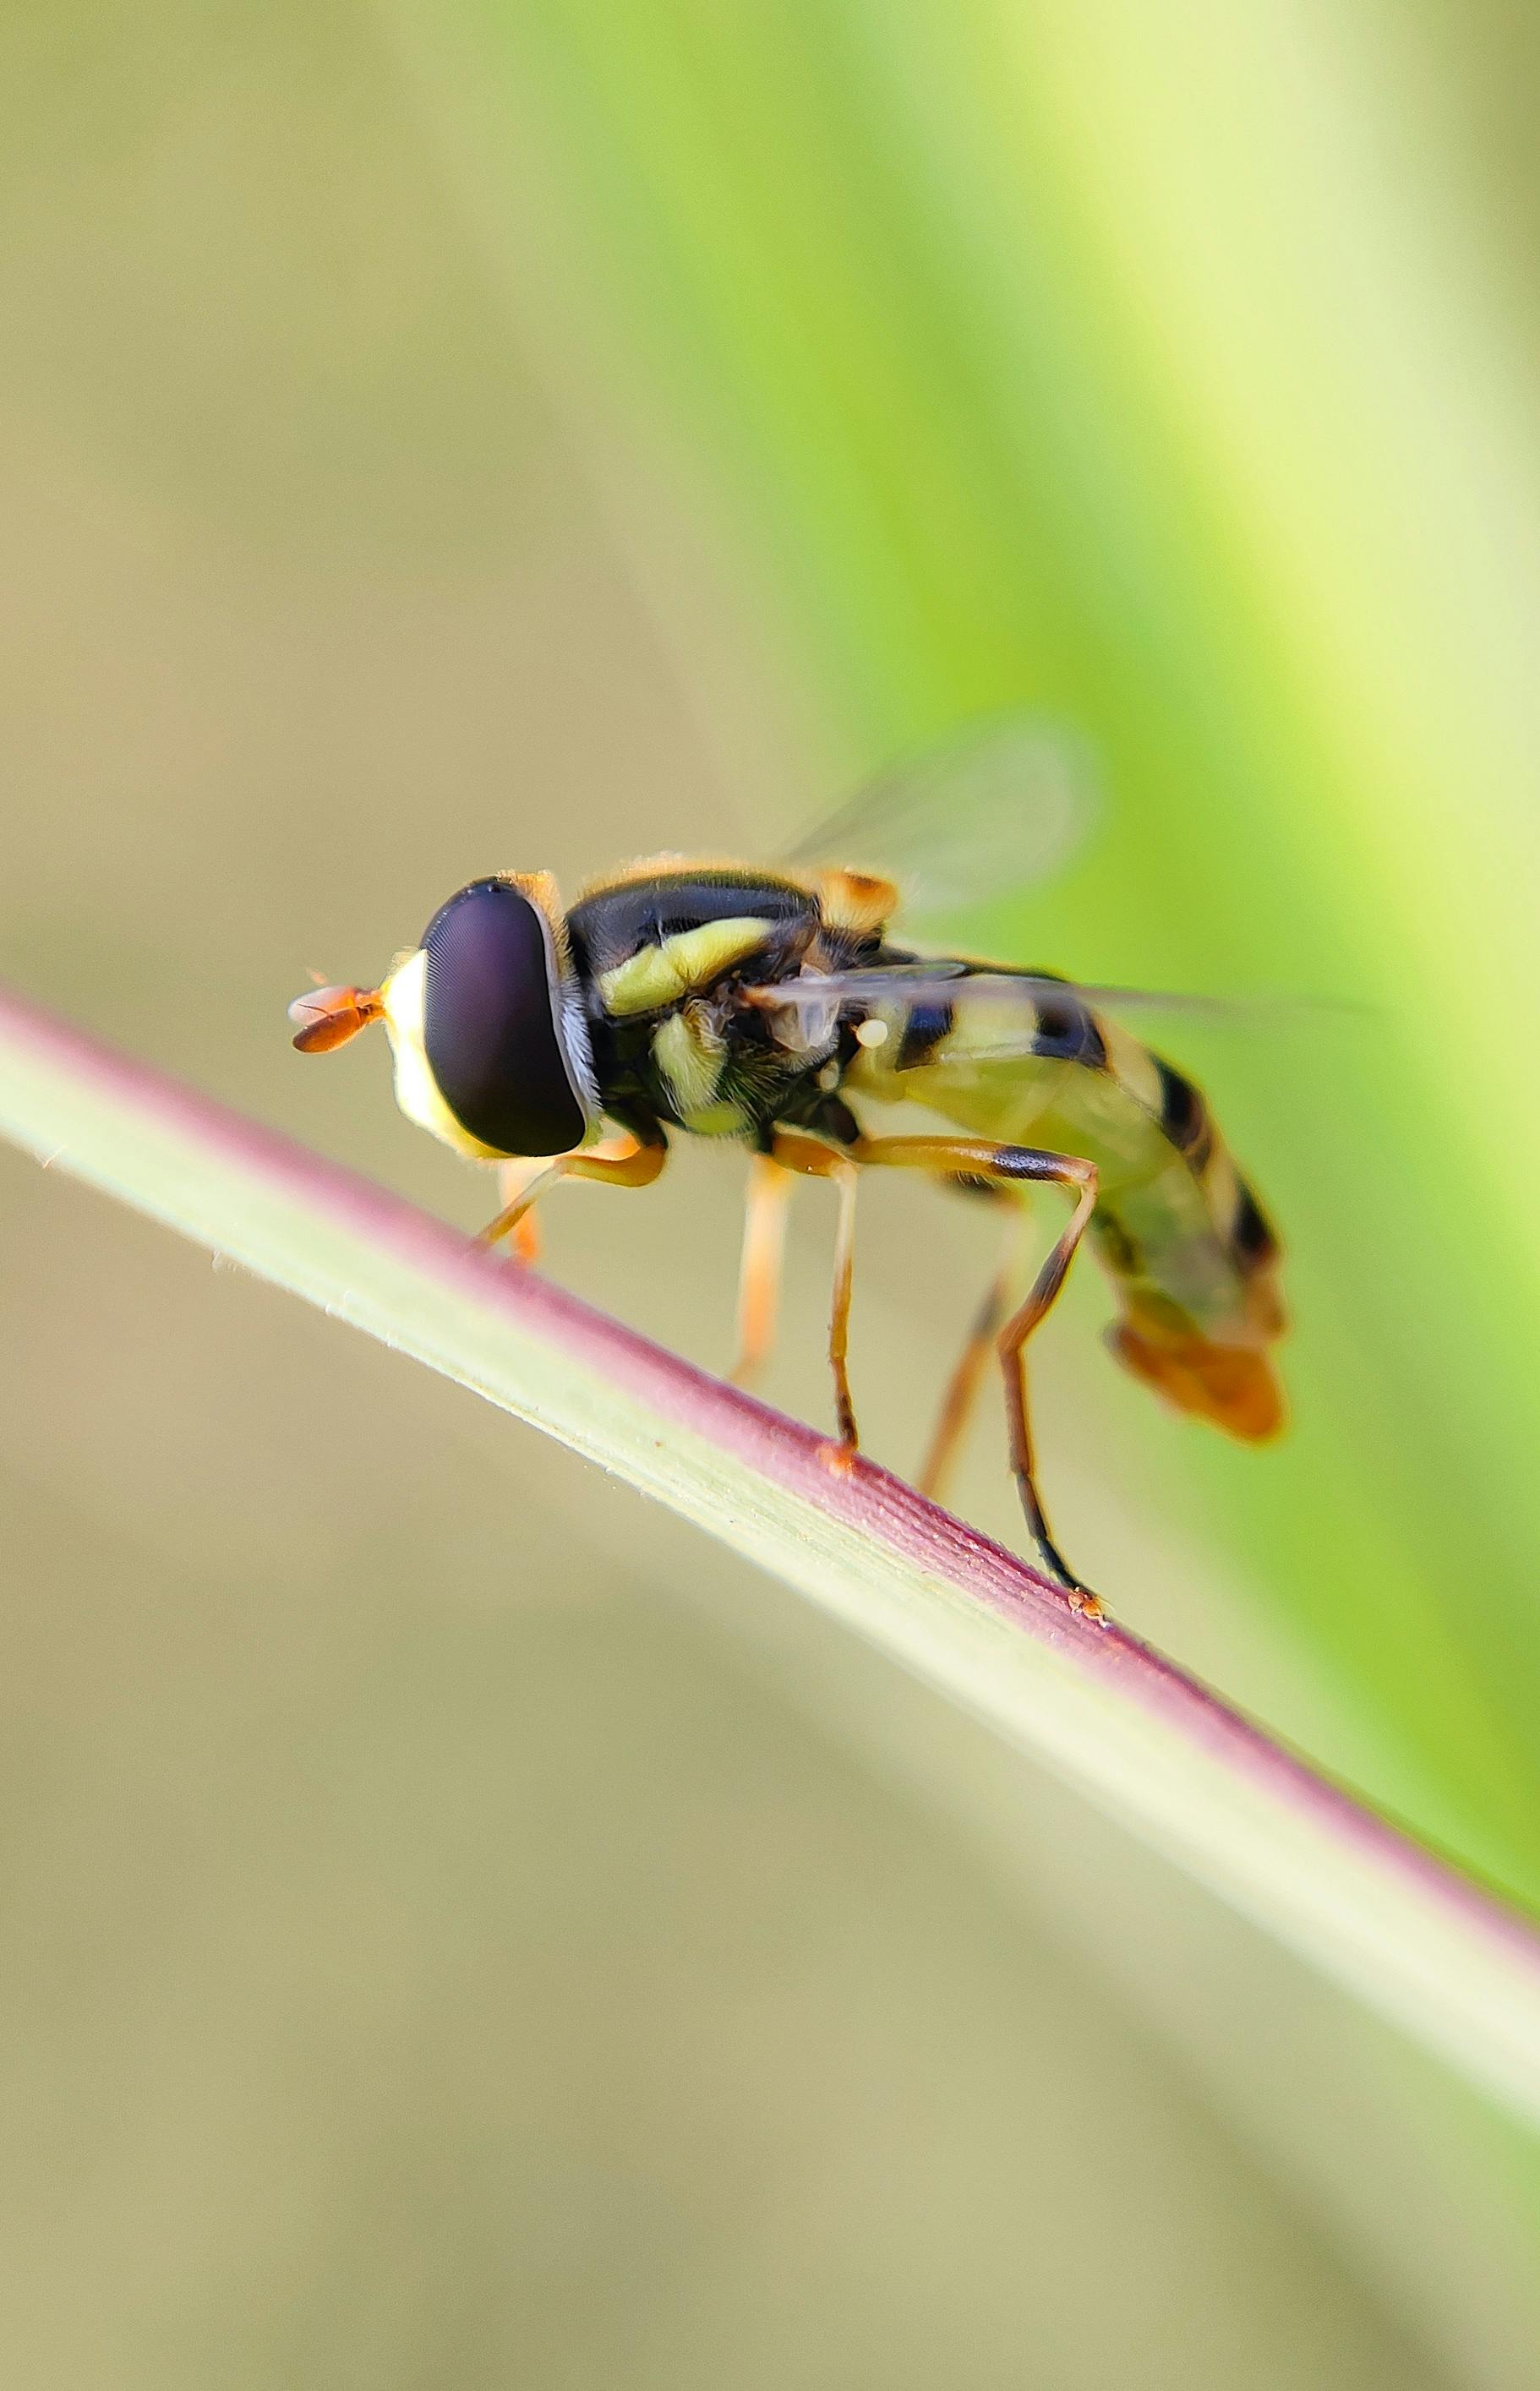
(459, 1928)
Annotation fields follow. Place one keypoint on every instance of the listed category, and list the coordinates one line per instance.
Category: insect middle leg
(1010, 1166)
(804, 1154)
(614, 1163)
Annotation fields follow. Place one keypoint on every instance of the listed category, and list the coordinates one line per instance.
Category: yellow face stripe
(656, 977)
(416, 1089)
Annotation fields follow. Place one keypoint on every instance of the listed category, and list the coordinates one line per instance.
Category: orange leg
(1013, 1339)
(957, 1404)
(1011, 1165)
(765, 1212)
(612, 1164)
(816, 1161)
(513, 1179)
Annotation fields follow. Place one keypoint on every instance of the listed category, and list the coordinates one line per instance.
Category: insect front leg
(617, 1162)
(1011, 1165)
(512, 1179)
(764, 1211)
(805, 1154)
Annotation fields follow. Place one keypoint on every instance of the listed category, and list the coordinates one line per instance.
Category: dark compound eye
(492, 1025)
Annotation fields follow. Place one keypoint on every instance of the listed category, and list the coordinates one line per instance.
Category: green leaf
(1147, 1744)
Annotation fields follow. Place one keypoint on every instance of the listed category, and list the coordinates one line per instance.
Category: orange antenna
(332, 1015)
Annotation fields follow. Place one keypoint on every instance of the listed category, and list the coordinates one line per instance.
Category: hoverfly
(772, 1006)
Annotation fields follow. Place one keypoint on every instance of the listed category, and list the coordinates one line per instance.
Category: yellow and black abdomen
(1176, 1228)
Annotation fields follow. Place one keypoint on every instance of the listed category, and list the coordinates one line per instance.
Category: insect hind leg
(968, 1377)
(1070, 1173)
(1013, 1166)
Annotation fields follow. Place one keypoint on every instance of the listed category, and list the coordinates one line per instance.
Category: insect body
(1178, 1230)
(771, 1007)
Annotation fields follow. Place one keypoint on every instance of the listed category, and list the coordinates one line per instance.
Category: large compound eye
(492, 1023)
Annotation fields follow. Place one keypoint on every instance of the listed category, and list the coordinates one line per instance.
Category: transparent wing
(1005, 1008)
(991, 810)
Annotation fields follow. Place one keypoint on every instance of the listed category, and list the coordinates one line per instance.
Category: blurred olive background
(457, 1926)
